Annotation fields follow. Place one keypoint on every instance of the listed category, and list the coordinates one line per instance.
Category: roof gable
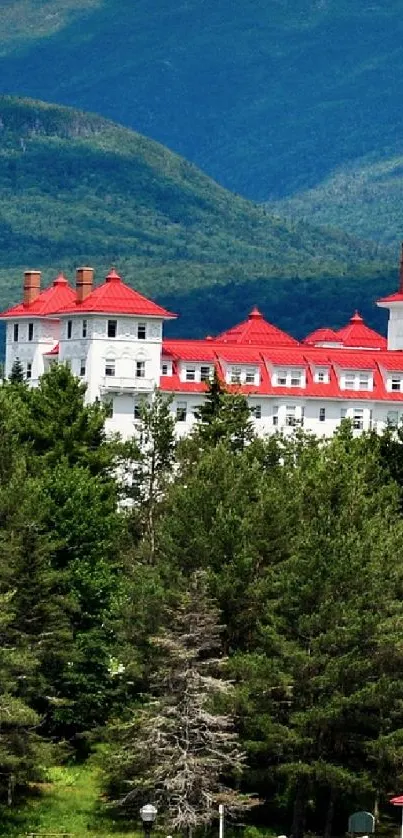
(256, 331)
(115, 297)
(48, 302)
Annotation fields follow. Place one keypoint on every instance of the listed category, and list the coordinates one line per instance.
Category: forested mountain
(77, 188)
(267, 96)
(363, 198)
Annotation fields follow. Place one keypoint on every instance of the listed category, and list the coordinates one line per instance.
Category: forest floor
(67, 805)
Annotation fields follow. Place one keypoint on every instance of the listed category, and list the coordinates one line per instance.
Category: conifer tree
(223, 417)
(17, 372)
(182, 744)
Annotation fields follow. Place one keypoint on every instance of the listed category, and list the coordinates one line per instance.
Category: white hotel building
(112, 338)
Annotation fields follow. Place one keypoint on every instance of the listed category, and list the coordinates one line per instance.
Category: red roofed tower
(394, 302)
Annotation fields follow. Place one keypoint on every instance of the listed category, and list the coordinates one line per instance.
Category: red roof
(321, 336)
(397, 801)
(306, 358)
(358, 334)
(54, 351)
(257, 331)
(115, 297)
(50, 301)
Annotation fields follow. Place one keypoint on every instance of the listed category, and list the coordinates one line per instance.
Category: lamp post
(148, 814)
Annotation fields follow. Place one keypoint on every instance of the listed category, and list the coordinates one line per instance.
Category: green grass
(68, 803)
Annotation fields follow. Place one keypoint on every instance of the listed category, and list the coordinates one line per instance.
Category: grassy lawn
(68, 803)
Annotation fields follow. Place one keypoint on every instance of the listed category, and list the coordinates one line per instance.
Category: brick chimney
(32, 286)
(84, 283)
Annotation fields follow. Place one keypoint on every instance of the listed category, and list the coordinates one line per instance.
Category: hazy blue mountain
(267, 96)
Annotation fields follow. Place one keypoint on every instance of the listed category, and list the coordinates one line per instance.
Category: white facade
(121, 357)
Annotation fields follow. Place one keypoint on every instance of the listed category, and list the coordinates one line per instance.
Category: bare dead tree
(182, 747)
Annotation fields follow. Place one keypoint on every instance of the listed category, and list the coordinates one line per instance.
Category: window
(190, 373)
(363, 381)
(181, 411)
(290, 418)
(250, 375)
(302, 420)
(82, 368)
(112, 328)
(282, 378)
(29, 371)
(235, 375)
(69, 329)
(164, 369)
(349, 381)
(110, 367)
(358, 418)
(343, 413)
(84, 331)
(15, 332)
(321, 377)
(30, 331)
(395, 382)
(256, 411)
(392, 418)
(141, 331)
(140, 369)
(322, 414)
(205, 373)
(296, 379)
(275, 414)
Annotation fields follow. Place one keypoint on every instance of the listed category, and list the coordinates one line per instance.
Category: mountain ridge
(269, 99)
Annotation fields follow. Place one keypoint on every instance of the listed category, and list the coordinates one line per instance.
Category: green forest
(188, 623)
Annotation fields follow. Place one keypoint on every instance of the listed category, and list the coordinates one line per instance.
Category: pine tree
(17, 372)
(224, 417)
(182, 744)
(147, 465)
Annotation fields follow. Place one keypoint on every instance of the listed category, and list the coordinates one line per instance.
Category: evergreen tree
(17, 372)
(181, 744)
(223, 417)
(147, 465)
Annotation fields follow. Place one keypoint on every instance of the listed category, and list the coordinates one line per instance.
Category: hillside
(76, 188)
(269, 97)
(364, 199)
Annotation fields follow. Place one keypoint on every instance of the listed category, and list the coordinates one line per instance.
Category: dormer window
(112, 328)
(190, 373)
(357, 380)
(15, 332)
(164, 369)
(321, 376)
(141, 331)
(235, 376)
(250, 375)
(296, 379)
(289, 378)
(396, 383)
(30, 331)
(282, 378)
(205, 373)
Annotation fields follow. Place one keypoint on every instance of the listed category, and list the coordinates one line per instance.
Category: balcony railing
(116, 384)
